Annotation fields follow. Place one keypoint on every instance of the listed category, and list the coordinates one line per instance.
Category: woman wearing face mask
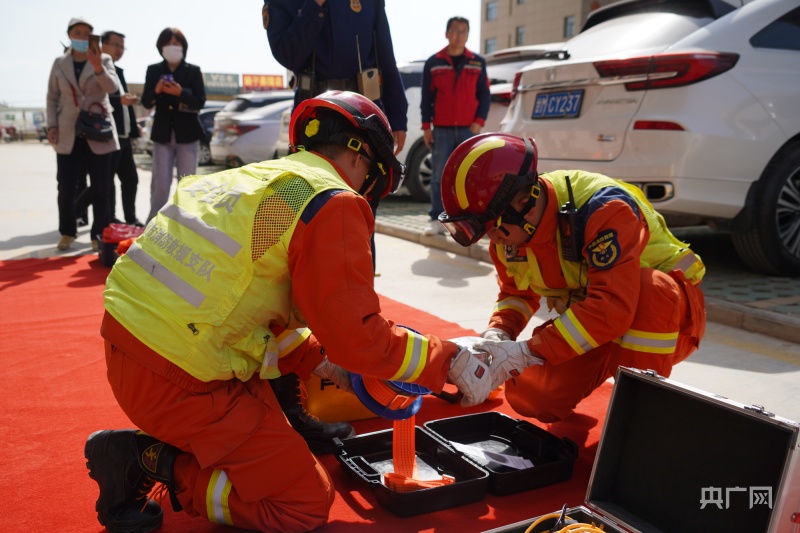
(177, 91)
(81, 79)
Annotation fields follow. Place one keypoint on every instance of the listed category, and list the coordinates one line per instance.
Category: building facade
(508, 23)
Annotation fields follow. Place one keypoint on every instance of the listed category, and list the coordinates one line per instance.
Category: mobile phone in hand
(168, 77)
(94, 42)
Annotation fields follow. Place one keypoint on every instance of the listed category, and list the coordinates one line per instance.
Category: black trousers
(125, 168)
(71, 168)
(123, 164)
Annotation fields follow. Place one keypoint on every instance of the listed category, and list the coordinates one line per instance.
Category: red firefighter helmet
(362, 114)
(479, 181)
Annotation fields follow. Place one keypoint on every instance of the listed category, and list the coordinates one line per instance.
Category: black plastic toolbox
(369, 456)
(553, 458)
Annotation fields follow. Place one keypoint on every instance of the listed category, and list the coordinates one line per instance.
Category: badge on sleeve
(604, 250)
(355, 5)
(265, 15)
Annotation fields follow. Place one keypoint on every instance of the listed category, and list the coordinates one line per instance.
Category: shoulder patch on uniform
(604, 250)
(265, 15)
(355, 5)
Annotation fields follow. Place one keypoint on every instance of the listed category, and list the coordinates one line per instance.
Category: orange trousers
(668, 303)
(244, 464)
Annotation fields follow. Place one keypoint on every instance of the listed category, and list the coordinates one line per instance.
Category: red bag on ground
(114, 233)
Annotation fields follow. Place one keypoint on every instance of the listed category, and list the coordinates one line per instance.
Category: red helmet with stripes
(481, 178)
(362, 114)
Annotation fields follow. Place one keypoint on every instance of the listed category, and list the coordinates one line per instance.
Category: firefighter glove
(334, 373)
(508, 359)
(496, 334)
(471, 376)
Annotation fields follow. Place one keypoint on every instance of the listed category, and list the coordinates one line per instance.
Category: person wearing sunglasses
(244, 276)
(626, 291)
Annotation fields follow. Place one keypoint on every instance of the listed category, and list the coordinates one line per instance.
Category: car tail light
(665, 70)
(515, 85)
(503, 98)
(238, 129)
(657, 125)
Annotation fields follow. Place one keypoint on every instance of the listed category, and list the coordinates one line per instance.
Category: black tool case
(676, 459)
(552, 458)
(369, 456)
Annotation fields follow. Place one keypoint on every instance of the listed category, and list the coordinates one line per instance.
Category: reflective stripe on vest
(219, 488)
(167, 278)
(209, 233)
(415, 358)
(517, 304)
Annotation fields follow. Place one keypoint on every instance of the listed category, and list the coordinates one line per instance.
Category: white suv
(701, 109)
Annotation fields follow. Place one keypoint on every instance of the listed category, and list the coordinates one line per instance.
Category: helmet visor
(466, 230)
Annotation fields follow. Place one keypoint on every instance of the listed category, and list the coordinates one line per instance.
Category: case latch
(652, 373)
(760, 409)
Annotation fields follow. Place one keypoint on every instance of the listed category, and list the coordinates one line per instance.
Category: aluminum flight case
(677, 459)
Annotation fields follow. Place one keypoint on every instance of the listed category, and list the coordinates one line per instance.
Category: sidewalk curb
(717, 310)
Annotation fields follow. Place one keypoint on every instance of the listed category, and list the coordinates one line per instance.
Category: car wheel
(771, 243)
(420, 171)
(204, 154)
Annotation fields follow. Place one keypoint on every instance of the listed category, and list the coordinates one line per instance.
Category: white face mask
(172, 53)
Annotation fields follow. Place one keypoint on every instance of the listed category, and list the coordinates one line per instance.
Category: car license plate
(564, 104)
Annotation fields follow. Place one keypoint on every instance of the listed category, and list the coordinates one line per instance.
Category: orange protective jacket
(605, 305)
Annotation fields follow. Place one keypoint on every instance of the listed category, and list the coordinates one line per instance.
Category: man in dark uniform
(326, 43)
(127, 129)
(329, 45)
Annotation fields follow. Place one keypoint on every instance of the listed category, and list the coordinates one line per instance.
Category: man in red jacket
(455, 102)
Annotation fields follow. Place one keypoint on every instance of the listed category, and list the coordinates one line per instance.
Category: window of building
(490, 45)
(520, 38)
(491, 10)
(569, 26)
(520, 2)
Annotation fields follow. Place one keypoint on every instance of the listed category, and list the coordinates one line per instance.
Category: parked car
(206, 116)
(698, 108)
(248, 137)
(248, 101)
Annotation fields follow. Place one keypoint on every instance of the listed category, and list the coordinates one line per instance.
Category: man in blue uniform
(331, 45)
(327, 43)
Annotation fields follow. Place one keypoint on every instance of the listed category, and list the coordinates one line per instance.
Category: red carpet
(55, 394)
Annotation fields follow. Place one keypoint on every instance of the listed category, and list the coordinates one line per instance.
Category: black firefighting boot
(318, 435)
(126, 464)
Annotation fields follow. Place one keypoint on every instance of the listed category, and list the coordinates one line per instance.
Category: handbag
(91, 125)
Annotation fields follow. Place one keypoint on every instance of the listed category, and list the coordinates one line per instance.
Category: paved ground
(751, 352)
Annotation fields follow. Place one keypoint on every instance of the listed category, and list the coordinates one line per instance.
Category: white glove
(471, 376)
(508, 359)
(335, 373)
(495, 334)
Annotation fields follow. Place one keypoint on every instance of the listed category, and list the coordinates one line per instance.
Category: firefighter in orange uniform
(625, 289)
(220, 294)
